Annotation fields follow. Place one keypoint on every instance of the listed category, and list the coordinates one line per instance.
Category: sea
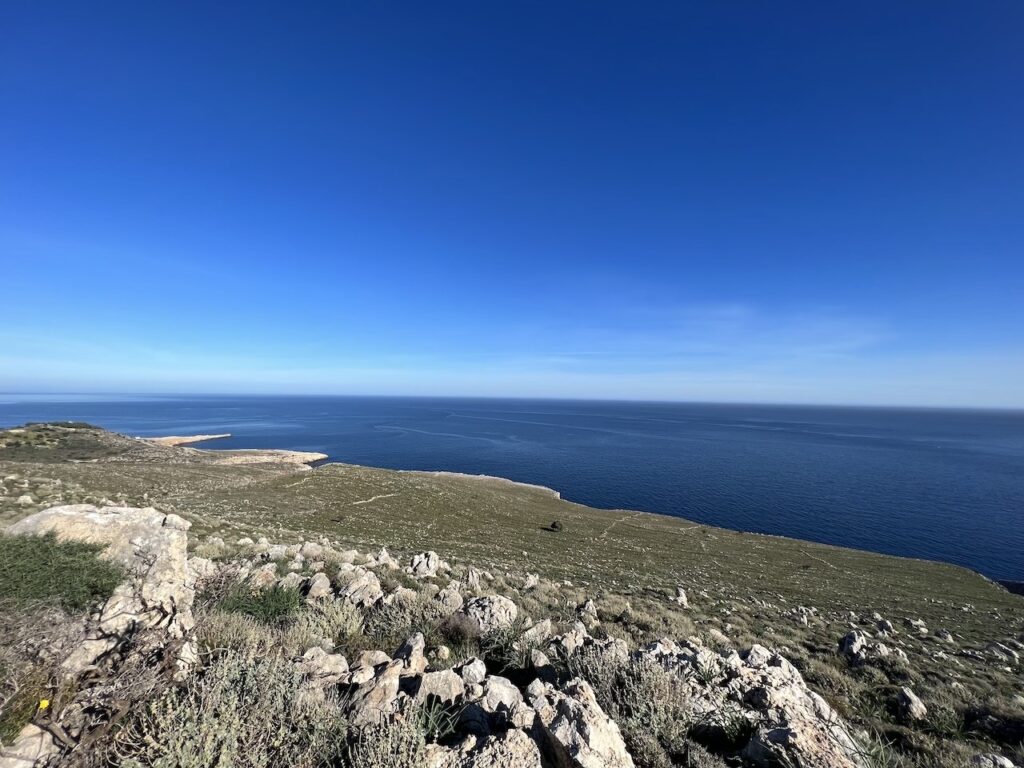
(940, 484)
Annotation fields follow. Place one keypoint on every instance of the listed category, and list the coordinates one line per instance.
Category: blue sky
(792, 202)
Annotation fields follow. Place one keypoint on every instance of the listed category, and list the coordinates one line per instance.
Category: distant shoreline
(175, 440)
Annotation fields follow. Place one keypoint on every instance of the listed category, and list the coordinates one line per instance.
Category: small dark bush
(40, 569)
(460, 630)
(269, 606)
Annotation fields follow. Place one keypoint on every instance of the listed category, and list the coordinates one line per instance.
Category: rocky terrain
(345, 616)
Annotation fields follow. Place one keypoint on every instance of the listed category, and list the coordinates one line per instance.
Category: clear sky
(793, 201)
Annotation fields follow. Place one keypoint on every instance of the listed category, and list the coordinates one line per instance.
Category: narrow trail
(618, 520)
(373, 498)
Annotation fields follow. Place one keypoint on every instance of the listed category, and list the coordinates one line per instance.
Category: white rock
(491, 613)
(577, 729)
(910, 707)
(991, 760)
(319, 587)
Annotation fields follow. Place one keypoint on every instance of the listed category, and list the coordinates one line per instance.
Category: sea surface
(938, 484)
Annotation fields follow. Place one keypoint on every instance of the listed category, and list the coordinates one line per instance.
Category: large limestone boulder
(491, 613)
(157, 596)
(576, 731)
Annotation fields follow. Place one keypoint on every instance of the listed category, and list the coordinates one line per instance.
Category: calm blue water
(940, 484)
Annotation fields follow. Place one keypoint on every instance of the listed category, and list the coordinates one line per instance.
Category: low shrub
(649, 703)
(40, 569)
(274, 605)
(241, 711)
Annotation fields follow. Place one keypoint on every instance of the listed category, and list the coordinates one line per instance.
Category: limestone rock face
(152, 546)
(576, 730)
(491, 613)
(31, 748)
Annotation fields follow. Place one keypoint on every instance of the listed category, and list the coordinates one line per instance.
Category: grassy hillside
(793, 595)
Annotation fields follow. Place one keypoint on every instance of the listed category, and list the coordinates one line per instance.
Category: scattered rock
(374, 701)
(322, 667)
(410, 653)
(991, 760)
(491, 613)
(358, 585)
(511, 749)
(909, 706)
(473, 672)
(426, 565)
(319, 587)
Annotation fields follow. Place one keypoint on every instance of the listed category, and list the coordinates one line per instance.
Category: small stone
(910, 707)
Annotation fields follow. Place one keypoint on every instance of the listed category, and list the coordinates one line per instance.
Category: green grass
(40, 569)
(275, 605)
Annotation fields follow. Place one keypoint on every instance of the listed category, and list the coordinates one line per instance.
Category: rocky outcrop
(575, 730)
(789, 723)
(156, 599)
(151, 610)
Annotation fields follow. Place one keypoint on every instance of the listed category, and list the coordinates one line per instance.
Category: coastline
(177, 440)
(233, 456)
(495, 479)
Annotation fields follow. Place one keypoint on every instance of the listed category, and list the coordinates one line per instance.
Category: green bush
(275, 605)
(40, 569)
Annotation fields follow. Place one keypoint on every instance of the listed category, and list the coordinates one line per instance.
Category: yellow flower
(44, 704)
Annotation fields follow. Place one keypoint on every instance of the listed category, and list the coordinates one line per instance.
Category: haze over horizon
(722, 202)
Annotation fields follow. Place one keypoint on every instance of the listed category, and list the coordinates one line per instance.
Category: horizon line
(653, 401)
